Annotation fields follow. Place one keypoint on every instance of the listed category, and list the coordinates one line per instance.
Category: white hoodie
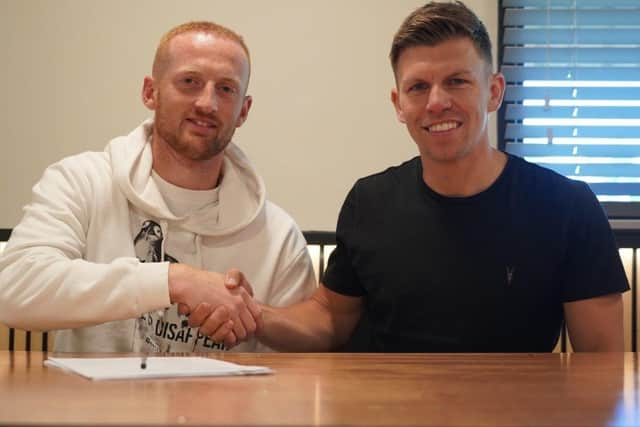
(71, 262)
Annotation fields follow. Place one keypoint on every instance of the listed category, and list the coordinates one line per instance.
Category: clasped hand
(221, 306)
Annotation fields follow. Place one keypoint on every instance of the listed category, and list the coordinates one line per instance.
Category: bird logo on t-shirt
(148, 243)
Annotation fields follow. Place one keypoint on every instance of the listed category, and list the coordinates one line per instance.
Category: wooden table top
(339, 389)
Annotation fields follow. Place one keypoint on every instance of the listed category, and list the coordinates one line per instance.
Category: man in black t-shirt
(463, 248)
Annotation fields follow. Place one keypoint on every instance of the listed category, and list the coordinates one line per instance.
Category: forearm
(323, 322)
(63, 266)
(304, 327)
(40, 289)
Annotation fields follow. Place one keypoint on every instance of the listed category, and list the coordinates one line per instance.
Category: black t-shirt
(486, 273)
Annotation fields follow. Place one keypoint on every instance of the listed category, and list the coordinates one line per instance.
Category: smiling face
(198, 95)
(444, 94)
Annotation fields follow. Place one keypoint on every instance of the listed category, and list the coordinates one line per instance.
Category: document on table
(121, 368)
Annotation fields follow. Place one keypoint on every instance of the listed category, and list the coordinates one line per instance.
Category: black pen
(143, 331)
(145, 336)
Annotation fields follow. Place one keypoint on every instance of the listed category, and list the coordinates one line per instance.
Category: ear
(149, 93)
(496, 91)
(396, 104)
(244, 111)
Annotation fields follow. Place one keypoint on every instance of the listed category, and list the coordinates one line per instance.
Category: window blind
(572, 101)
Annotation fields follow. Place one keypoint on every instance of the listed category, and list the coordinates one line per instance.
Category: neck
(464, 177)
(184, 172)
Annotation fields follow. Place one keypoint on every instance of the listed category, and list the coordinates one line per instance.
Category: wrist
(262, 319)
(176, 282)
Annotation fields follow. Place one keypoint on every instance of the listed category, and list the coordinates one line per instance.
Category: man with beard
(115, 246)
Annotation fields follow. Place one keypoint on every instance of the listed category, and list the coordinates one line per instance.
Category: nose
(207, 101)
(439, 99)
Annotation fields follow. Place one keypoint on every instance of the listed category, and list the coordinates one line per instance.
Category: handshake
(221, 306)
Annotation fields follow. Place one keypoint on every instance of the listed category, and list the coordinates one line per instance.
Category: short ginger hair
(196, 27)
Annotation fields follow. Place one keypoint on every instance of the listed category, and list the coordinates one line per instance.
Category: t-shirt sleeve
(340, 275)
(593, 266)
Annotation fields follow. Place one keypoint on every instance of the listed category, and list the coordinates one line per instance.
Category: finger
(248, 322)
(221, 333)
(239, 329)
(200, 314)
(245, 284)
(183, 309)
(253, 306)
(213, 322)
(230, 340)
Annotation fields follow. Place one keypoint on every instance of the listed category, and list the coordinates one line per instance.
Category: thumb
(235, 278)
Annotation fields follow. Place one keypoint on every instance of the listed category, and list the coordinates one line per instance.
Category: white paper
(120, 368)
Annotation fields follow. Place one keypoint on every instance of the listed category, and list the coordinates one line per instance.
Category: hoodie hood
(241, 197)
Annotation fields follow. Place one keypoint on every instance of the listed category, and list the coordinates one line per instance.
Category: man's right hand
(210, 322)
(228, 312)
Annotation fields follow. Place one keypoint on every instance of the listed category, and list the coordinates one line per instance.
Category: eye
(189, 82)
(418, 87)
(227, 89)
(457, 81)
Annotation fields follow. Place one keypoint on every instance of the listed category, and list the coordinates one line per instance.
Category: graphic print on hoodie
(148, 243)
(166, 330)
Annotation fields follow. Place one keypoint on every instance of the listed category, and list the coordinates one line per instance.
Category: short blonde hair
(196, 27)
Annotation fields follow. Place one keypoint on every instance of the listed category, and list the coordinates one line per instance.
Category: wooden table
(339, 389)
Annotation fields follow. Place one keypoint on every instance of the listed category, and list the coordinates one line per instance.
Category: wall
(72, 73)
